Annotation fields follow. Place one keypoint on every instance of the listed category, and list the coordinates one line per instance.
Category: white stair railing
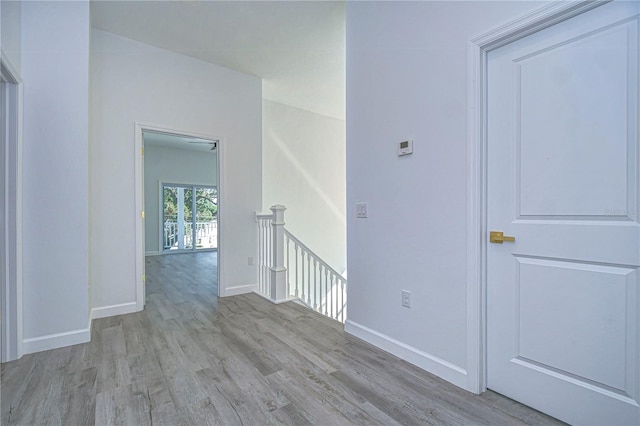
(313, 282)
(289, 270)
(265, 237)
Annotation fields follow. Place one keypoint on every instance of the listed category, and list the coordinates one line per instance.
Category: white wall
(133, 82)
(304, 169)
(55, 71)
(10, 32)
(168, 165)
(407, 78)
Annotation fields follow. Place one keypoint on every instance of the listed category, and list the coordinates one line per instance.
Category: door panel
(569, 127)
(563, 302)
(596, 324)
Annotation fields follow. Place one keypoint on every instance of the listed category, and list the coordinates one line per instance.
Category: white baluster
(334, 290)
(308, 279)
(298, 282)
(326, 293)
(265, 254)
(265, 263)
(288, 266)
(264, 257)
(302, 276)
(343, 300)
(319, 268)
(260, 254)
(315, 284)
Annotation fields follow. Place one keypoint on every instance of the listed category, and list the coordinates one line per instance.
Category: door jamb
(478, 49)
(12, 320)
(139, 200)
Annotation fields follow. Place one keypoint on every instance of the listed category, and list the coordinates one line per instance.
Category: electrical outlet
(250, 260)
(406, 299)
(361, 210)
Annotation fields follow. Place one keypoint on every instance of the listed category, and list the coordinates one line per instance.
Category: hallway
(192, 359)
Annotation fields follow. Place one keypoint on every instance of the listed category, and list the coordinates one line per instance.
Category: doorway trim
(12, 334)
(140, 128)
(478, 50)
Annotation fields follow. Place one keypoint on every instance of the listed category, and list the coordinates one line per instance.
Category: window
(189, 222)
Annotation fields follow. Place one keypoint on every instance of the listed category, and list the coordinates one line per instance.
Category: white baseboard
(441, 368)
(276, 302)
(109, 311)
(240, 289)
(153, 253)
(55, 341)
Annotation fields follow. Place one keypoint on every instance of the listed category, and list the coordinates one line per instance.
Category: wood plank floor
(191, 359)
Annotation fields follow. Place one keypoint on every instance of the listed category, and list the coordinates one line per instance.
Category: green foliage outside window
(206, 204)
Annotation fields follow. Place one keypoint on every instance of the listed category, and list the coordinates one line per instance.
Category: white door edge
(12, 321)
(478, 48)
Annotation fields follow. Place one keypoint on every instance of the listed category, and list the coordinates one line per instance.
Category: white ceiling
(296, 47)
(165, 140)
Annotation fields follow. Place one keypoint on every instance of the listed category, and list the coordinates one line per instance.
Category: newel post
(278, 271)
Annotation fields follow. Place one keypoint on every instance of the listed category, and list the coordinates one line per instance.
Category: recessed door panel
(572, 319)
(577, 120)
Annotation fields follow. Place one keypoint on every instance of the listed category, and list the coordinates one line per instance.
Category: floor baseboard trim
(153, 253)
(55, 341)
(441, 368)
(276, 302)
(110, 311)
(239, 289)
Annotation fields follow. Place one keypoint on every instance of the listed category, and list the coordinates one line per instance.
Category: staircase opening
(288, 270)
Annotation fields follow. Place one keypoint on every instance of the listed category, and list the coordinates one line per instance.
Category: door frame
(478, 50)
(140, 128)
(11, 261)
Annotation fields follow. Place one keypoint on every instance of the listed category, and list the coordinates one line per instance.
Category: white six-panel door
(563, 299)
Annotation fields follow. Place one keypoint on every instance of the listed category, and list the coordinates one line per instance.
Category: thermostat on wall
(405, 147)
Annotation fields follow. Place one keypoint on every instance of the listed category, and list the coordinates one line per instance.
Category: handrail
(312, 253)
(263, 216)
(289, 270)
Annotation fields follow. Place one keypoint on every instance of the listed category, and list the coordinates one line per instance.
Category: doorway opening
(177, 194)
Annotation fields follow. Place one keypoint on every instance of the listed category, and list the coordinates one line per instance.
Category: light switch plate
(406, 298)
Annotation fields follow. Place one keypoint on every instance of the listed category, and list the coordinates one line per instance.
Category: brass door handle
(498, 237)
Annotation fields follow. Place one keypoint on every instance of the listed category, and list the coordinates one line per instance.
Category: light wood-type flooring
(191, 359)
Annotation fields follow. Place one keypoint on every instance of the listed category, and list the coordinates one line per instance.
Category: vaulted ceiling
(296, 47)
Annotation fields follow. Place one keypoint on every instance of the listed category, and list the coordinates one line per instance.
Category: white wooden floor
(191, 359)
